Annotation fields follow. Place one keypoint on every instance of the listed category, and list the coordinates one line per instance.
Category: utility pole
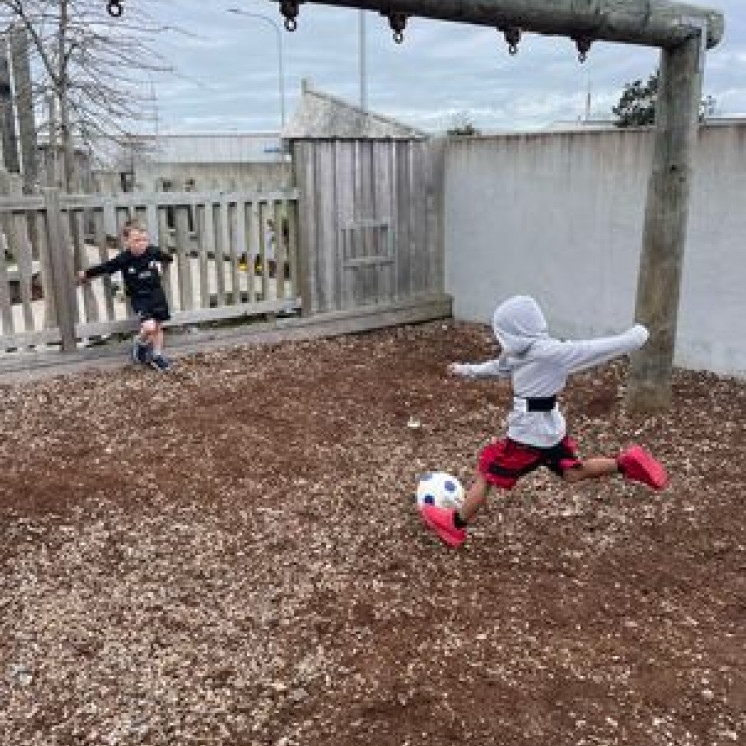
(363, 51)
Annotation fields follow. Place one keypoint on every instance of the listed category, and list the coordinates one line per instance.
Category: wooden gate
(369, 222)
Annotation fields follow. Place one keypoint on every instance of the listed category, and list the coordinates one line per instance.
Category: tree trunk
(25, 106)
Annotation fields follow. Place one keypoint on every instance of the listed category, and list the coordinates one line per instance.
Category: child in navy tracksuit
(538, 367)
(138, 264)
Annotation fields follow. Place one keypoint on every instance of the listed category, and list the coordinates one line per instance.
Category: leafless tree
(90, 70)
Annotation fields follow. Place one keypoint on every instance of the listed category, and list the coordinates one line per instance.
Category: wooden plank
(110, 216)
(346, 211)
(259, 308)
(242, 246)
(265, 248)
(370, 261)
(184, 266)
(382, 196)
(209, 246)
(99, 237)
(80, 253)
(47, 285)
(20, 203)
(255, 240)
(403, 243)
(231, 209)
(196, 316)
(202, 253)
(315, 201)
(151, 213)
(280, 251)
(292, 215)
(224, 242)
(328, 272)
(62, 275)
(307, 240)
(394, 218)
(220, 246)
(6, 310)
(436, 212)
(370, 274)
(126, 202)
(162, 240)
(418, 224)
(24, 263)
(34, 338)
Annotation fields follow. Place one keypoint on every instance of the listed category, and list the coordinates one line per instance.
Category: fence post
(63, 283)
(302, 159)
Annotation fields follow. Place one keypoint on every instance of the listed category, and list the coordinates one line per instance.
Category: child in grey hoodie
(538, 367)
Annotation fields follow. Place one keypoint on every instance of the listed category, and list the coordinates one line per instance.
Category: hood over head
(518, 322)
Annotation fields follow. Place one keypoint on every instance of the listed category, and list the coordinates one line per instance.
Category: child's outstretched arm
(583, 354)
(497, 368)
(105, 268)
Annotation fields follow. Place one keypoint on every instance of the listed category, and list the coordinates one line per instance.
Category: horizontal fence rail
(235, 254)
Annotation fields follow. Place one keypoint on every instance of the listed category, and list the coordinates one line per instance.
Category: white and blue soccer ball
(440, 489)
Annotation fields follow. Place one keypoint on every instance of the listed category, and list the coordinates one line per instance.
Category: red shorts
(503, 462)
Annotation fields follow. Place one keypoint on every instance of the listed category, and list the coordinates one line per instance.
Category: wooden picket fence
(358, 244)
(222, 268)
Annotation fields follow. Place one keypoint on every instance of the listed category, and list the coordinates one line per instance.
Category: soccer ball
(440, 489)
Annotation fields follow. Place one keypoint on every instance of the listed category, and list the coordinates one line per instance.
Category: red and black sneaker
(638, 465)
(441, 522)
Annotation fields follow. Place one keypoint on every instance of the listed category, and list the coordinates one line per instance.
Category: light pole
(281, 74)
(363, 63)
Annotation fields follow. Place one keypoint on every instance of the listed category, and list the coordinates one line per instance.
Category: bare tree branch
(92, 66)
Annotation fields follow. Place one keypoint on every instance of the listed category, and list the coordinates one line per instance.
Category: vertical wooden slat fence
(361, 234)
(367, 231)
(214, 238)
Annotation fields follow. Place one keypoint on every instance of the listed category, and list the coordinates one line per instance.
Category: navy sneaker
(160, 363)
(140, 352)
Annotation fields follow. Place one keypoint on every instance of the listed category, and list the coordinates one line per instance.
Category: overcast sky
(228, 72)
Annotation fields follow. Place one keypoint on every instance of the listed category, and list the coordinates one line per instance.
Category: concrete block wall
(559, 216)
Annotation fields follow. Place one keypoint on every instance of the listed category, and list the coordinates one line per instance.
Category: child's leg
(635, 464)
(591, 468)
(475, 499)
(157, 339)
(148, 329)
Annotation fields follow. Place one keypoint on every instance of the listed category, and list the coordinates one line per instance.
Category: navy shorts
(152, 306)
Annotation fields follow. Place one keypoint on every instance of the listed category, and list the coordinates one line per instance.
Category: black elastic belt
(541, 403)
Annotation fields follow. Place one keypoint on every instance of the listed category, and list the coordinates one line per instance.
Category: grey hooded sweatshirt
(539, 365)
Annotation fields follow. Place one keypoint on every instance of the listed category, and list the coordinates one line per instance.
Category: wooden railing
(224, 264)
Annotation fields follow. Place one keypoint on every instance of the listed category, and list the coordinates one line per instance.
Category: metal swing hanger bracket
(115, 8)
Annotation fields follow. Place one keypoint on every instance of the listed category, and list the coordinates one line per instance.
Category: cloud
(441, 70)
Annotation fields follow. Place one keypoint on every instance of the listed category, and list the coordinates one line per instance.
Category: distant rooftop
(218, 147)
(320, 116)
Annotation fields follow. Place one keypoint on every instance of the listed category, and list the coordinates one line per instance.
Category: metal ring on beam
(114, 8)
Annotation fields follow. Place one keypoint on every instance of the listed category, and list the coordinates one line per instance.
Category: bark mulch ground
(229, 555)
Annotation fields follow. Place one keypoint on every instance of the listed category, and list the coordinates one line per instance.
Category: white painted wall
(559, 216)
